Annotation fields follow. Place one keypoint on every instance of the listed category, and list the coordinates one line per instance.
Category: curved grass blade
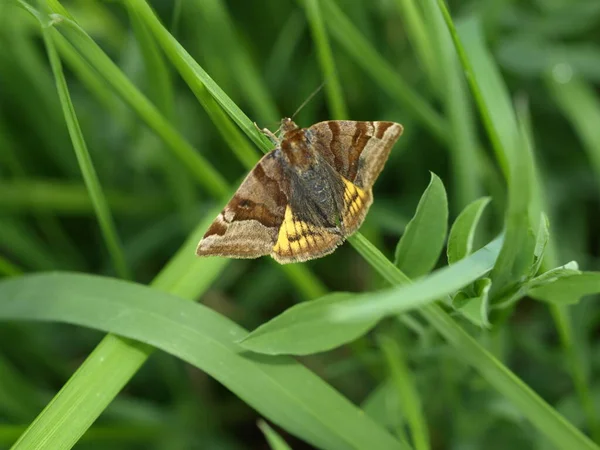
(278, 387)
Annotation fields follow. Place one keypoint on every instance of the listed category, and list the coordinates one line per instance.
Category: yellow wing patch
(300, 241)
(356, 205)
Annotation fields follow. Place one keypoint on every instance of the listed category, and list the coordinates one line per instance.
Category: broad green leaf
(306, 328)
(275, 441)
(423, 240)
(475, 307)
(277, 387)
(406, 390)
(339, 318)
(568, 288)
(462, 233)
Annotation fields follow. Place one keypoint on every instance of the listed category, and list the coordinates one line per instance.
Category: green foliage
(108, 166)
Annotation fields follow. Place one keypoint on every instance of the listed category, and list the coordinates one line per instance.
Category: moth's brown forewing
(307, 195)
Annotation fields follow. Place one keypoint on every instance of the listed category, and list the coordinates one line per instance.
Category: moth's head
(287, 125)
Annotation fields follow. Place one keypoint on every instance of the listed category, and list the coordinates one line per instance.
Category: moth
(303, 198)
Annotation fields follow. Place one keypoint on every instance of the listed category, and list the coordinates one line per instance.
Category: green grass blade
(333, 87)
(86, 165)
(419, 36)
(463, 147)
(220, 26)
(203, 172)
(286, 43)
(406, 389)
(490, 96)
(580, 104)
(381, 71)
(200, 81)
(280, 388)
(275, 441)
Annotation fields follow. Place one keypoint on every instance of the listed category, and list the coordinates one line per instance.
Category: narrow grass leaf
(486, 85)
(223, 35)
(333, 87)
(281, 57)
(200, 82)
(203, 172)
(580, 104)
(418, 34)
(462, 232)
(381, 71)
(423, 240)
(463, 145)
(86, 165)
(277, 387)
(305, 329)
(276, 442)
(568, 289)
(406, 390)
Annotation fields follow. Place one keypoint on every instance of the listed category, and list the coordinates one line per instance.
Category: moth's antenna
(310, 97)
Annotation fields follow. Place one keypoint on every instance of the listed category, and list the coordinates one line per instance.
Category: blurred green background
(262, 54)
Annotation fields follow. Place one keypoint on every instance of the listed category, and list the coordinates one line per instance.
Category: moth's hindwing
(299, 240)
(356, 205)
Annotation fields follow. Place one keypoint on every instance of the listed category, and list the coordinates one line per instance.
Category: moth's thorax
(296, 147)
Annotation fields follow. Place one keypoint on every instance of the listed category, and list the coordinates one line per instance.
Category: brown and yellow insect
(303, 198)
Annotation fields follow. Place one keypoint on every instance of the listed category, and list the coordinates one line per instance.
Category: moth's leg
(268, 133)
